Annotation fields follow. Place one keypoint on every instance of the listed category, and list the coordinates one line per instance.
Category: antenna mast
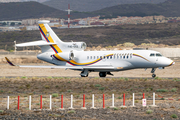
(69, 15)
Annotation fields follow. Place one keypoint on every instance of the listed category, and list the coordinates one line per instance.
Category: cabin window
(87, 57)
(91, 57)
(94, 57)
(127, 56)
(101, 57)
(110, 57)
(152, 54)
(107, 57)
(124, 57)
(158, 55)
(97, 57)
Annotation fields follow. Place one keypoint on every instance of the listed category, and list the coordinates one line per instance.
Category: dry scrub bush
(128, 44)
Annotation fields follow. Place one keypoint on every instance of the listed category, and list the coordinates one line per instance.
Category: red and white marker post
(93, 102)
(112, 102)
(144, 101)
(18, 102)
(154, 105)
(123, 101)
(41, 102)
(84, 102)
(71, 102)
(61, 103)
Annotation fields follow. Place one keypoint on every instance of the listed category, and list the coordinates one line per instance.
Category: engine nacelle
(79, 46)
(64, 56)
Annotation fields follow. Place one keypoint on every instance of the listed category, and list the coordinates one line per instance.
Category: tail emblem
(47, 34)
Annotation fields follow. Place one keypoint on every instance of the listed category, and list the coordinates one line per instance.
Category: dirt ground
(16, 81)
(167, 98)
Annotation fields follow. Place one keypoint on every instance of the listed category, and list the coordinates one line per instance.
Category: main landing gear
(103, 74)
(152, 71)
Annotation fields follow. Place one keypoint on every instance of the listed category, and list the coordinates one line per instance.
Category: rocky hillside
(168, 34)
(93, 5)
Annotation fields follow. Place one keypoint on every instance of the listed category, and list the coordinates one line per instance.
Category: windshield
(152, 54)
(158, 55)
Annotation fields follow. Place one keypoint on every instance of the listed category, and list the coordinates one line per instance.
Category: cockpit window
(158, 55)
(152, 54)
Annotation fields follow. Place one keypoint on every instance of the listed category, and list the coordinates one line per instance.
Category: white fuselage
(120, 60)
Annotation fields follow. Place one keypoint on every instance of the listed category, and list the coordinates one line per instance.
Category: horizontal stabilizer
(35, 43)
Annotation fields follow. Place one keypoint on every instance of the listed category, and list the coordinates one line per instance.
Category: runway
(9, 71)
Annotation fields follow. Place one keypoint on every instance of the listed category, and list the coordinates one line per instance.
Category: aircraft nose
(172, 63)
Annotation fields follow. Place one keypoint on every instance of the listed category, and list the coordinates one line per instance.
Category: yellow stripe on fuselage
(75, 63)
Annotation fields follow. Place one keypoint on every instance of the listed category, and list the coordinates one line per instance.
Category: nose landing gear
(84, 73)
(152, 71)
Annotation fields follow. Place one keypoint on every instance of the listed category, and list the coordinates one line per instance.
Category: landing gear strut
(152, 71)
(84, 73)
(109, 73)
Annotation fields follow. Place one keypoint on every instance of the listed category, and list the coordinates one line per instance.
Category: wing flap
(38, 43)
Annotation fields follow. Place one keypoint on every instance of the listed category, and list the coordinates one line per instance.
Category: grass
(174, 116)
(71, 111)
(161, 90)
(24, 77)
(46, 87)
(69, 91)
(55, 95)
(115, 108)
(1, 111)
(149, 111)
(174, 90)
(119, 97)
(97, 85)
(157, 78)
(126, 79)
(101, 88)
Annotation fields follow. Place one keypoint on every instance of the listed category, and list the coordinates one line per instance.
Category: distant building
(82, 22)
(10, 23)
(173, 21)
(96, 23)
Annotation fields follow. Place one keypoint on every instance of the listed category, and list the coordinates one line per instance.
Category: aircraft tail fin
(49, 36)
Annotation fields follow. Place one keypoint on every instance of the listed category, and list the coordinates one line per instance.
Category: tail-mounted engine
(64, 56)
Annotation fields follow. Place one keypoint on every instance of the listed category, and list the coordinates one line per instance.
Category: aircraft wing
(66, 67)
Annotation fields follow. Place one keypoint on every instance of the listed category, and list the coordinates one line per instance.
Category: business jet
(71, 55)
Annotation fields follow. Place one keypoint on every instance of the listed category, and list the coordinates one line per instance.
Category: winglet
(10, 63)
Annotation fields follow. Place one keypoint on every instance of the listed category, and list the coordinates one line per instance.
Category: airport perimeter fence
(19, 53)
(167, 52)
(54, 102)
